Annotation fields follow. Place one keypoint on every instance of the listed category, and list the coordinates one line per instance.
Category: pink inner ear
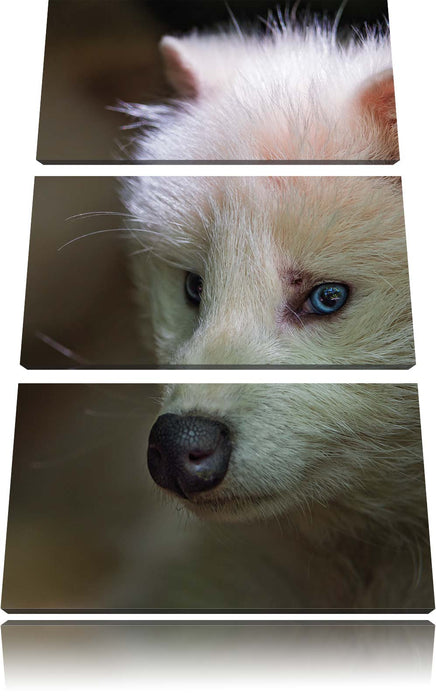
(179, 72)
(378, 99)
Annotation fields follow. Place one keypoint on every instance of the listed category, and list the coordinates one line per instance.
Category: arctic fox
(293, 94)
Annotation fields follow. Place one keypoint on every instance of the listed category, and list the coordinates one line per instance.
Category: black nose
(188, 454)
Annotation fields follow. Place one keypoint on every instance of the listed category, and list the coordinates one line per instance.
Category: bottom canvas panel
(218, 498)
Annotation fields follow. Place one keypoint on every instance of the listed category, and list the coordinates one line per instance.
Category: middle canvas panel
(218, 271)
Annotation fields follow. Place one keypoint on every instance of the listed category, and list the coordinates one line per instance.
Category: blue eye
(193, 288)
(328, 297)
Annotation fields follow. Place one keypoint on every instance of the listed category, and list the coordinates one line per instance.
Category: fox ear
(198, 64)
(376, 104)
(179, 67)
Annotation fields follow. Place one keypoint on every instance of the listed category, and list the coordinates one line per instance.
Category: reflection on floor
(43, 654)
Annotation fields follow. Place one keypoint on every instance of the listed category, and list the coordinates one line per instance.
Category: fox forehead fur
(295, 93)
(258, 243)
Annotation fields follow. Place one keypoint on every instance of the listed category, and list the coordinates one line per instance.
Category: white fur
(329, 477)
(294, 94)
(246, 237)
(334, 473)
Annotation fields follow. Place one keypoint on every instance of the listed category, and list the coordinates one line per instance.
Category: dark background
(183, 15)
(80, 309)
(79, 493)
(99, 52)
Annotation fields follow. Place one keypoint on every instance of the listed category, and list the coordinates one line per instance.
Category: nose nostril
(199, 455)
(188, 454)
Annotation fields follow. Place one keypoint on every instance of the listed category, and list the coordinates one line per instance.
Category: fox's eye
(193, 287)
(327, 298)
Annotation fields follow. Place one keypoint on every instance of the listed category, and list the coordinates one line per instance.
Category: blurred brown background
(80, 308)
(79, 490)
(99, 52)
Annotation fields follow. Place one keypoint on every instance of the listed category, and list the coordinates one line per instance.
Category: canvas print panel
(218, 271)
(221, 497)
(146, 81)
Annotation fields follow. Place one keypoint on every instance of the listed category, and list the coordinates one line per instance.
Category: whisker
(62, 349)
(269, 22)
(281, 19)
(338, 17)
(138, 252)
(112, 414)
(103, 230)
(134, 125)
(116, 395)
(88, 214)
(294, 10)
(143, 248)
(234, 21)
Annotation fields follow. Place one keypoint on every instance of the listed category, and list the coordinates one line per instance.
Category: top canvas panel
(151, 81)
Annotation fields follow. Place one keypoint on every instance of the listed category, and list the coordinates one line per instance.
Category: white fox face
(274, 271)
